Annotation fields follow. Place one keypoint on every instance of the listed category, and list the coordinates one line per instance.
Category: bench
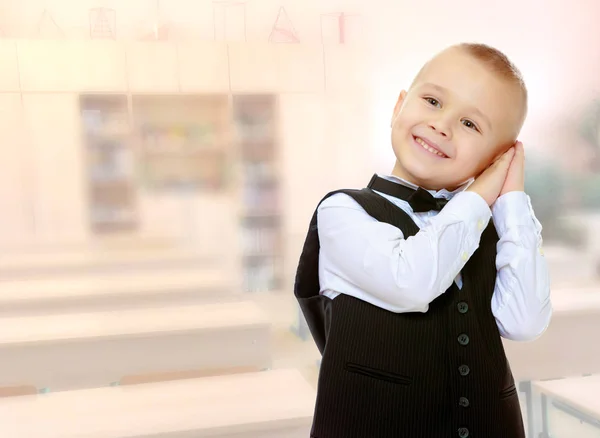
(90, 292)
(569, 407)
(86, 350)
(565, 349)
(268, 404)
(28, 265)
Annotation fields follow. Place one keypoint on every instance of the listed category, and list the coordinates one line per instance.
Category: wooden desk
(570, 407)
(90, 260)
(90, 292)
(269, 404)
(567, 347)
(69, 351)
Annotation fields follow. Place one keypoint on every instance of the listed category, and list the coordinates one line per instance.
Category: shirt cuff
(470, 208)
(514, 210)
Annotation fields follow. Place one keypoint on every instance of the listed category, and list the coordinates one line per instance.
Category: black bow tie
(420, 200)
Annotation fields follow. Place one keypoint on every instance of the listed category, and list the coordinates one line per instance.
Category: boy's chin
(422, 172)
(429, 179)
(428, 174)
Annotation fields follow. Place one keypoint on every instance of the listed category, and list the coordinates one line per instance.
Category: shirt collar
(444, 193)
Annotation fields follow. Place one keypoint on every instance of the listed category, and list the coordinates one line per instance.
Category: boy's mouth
(429, 147)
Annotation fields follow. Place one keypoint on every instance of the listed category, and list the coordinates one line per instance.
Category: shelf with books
(202, 172)
(261, 253)
(254, 118)
(110, 164)
(183, 141)
(255, 134)
(262, 274)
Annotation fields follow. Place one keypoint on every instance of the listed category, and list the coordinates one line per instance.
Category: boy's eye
(433, 101)
(469, 124)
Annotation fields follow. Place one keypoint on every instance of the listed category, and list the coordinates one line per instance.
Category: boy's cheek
(473, 170)
(501, 151)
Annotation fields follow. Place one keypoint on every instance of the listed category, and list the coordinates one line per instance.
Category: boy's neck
(399, 172)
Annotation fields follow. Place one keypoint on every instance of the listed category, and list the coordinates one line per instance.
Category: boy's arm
(521, 300)
(372, 261)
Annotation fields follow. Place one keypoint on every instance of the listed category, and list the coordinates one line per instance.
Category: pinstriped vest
(438, 374)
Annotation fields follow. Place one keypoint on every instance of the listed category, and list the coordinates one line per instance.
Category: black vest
(439, 374)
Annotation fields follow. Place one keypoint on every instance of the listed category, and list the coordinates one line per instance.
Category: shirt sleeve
(378, 265)
(521, 301)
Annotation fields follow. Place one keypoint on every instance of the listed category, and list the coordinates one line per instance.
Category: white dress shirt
(372, 261)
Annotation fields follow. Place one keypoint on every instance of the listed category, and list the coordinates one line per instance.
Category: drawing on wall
(103, 23)
(229, 24)
(229, 20)
(47, 27)
(283, 29)
(338, 28)
(157, 30)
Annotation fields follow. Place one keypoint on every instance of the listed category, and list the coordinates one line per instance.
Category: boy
(408, 287)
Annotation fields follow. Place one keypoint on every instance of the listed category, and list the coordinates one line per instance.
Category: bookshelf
(188, 145)
(110, 162)
(255, 121)
(184, 141)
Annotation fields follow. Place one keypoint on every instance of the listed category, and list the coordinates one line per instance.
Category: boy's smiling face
(456, 118)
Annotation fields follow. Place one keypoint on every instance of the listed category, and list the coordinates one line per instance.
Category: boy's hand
(515, 178)
(491, 181)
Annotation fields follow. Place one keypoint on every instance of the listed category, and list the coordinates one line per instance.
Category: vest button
(462, 307)
(464, 402)
(464, 370)
(463, 432)
(463, 339)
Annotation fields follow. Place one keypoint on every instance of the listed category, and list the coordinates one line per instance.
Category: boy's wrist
(505, 191)
(513, 209)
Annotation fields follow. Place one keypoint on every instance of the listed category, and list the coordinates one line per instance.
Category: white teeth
(428, 148)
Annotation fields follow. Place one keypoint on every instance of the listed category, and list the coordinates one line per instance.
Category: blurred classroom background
(160, 162)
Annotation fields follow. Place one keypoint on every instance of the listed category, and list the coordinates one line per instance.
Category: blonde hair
(497, 62)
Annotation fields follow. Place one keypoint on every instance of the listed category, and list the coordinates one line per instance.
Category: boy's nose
(441, 127)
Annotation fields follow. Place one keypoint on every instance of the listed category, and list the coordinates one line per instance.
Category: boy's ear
(398, 106)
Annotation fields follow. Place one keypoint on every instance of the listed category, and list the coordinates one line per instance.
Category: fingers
(506, 157)
(519, 156)
(520, 150)
(503, 161)
(503, 165)
(501, 154)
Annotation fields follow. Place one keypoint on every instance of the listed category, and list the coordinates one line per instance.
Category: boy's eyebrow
(474, 109)
(483, 117)
(437, 87)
